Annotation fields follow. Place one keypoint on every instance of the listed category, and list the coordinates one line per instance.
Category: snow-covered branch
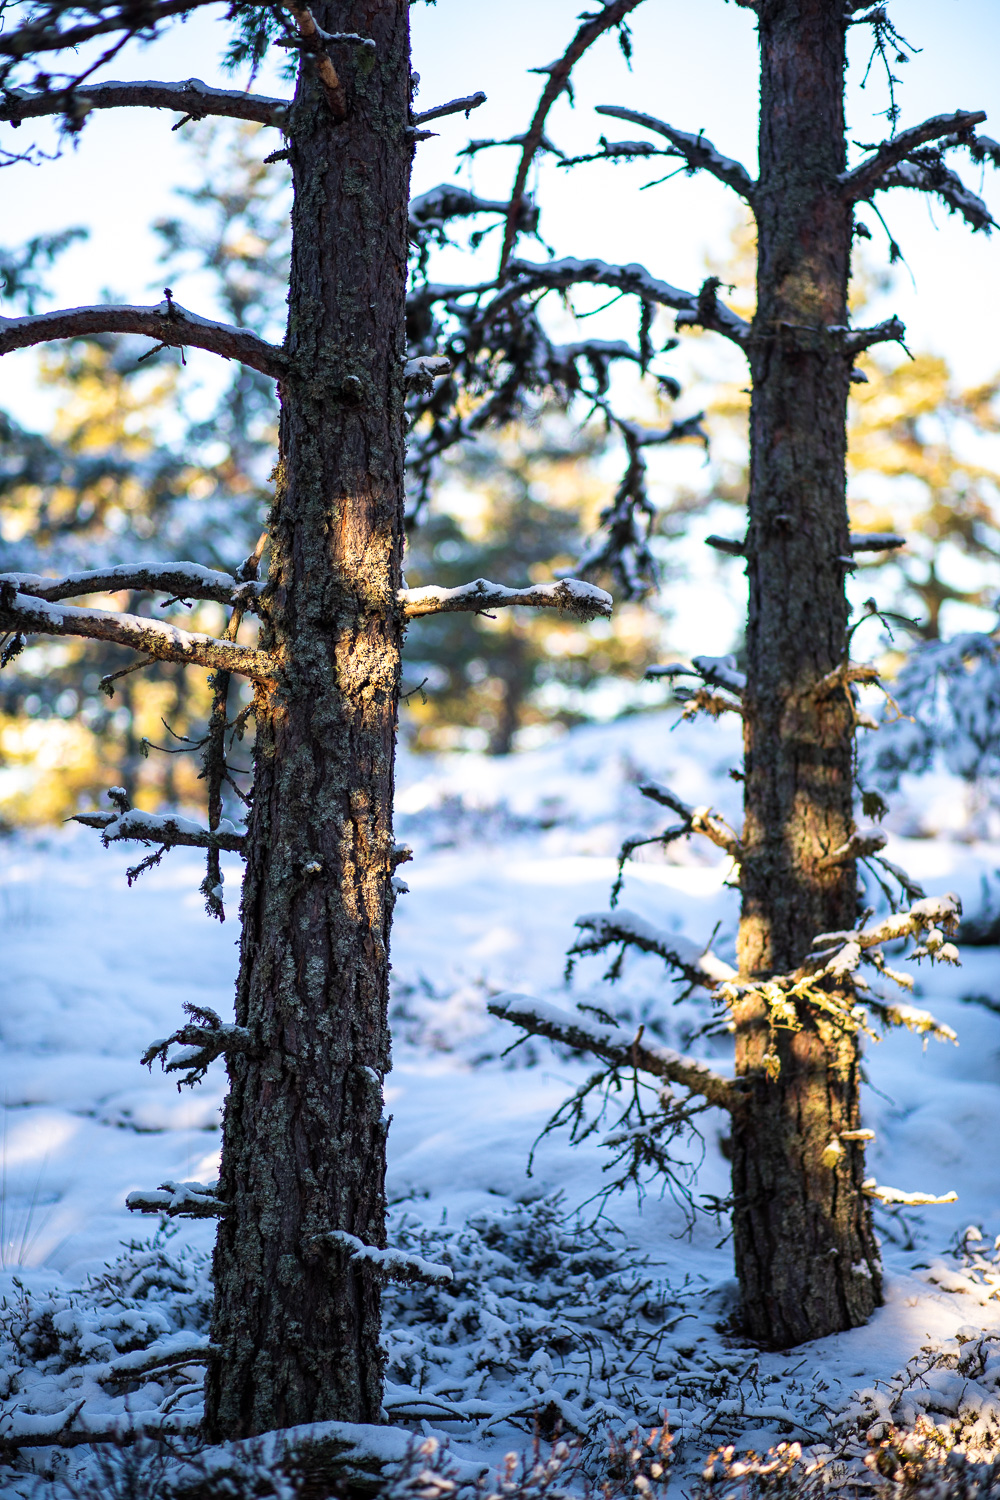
(868, 176)
(155, 638)
(392, 1265)
(421, 372)
(702, 310)
(167, 323)
(182, 580)
(162, 828)
(876, 541)
(582, 600)
(178, 1200)
(859, 846)
(73, 1427)
(591, 28)
(607, 929)
(453, 107)
(699, 819)
(188, 97)
(928, 174)
(698, 152)
(929, 915)
(203, 1038)
(615, 1045)
(871, 1189)
(855, 340)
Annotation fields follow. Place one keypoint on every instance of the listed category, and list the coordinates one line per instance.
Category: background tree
(301, 1196)
(106, 485)
(517, 504)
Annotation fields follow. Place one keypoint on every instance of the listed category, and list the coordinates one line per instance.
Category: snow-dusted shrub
(128, 1344)
(543, 1321)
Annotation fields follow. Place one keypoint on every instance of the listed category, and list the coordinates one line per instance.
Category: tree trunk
(297, 1323)
(806, 1256)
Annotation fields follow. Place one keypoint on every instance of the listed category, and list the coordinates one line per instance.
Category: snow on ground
(507, 853)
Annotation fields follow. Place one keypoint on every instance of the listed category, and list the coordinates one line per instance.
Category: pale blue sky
(694, 65)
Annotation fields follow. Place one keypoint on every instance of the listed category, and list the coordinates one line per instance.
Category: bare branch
(155, 638)
(453, 107)
(168, 323)
(859, 846)
(891, 331)
(615, 1045)
(313, 40)
(592, 27)
(699, 819)
(867, 178)
(582, 600)
(698, 152)
(43, 36)
(189, 97)
(696, 310)
(167, 829)
(183, 580)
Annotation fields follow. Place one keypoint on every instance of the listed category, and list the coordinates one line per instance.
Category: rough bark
(304, 1136)
(806, 1256)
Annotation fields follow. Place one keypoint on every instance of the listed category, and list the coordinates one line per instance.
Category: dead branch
(858, 846)
(592, 27)
(178, 1200)
(161, 828)
(581, 600)
(701, 310)
(155, 638)
(615, 1045)
(928, 174)
(168, 323)
(188, 97)
(43, 35)
(453, 107)
(699, 819)
(698, 152)
(867, 177)
(313, 40)
(203, 1038)
(182, 580)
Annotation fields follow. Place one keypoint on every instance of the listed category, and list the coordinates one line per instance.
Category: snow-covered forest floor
(593, 1320)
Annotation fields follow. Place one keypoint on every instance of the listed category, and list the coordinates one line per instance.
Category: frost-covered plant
(944, 1399)
(543, 1322)
(128, 1344)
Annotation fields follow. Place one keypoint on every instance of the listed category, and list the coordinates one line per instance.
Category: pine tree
(806, 1257)
(301, 1199)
